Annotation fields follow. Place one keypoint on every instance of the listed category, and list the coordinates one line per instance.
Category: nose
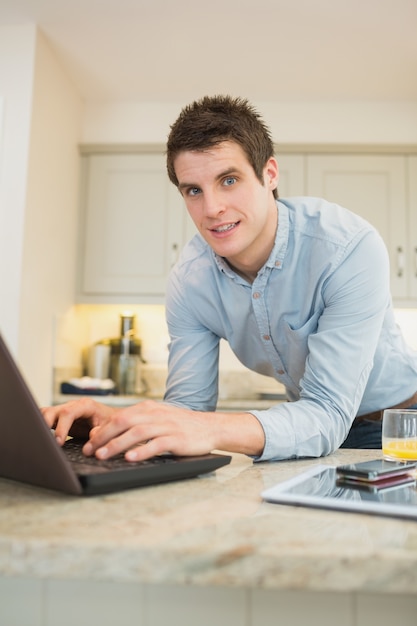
(212, 204)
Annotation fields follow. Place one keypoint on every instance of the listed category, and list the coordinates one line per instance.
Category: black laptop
(30, 454)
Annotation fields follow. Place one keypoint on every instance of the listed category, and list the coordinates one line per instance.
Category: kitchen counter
(224, 404)
(213, 533)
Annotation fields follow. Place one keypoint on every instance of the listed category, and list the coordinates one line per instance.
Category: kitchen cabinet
(412, 230)
(134, 222)
(375, 187)
(291, 175)
(133, 225)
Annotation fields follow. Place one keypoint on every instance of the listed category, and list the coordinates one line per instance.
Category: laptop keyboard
(90, 464)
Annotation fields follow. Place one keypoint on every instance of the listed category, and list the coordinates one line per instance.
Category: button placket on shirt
(262, 320)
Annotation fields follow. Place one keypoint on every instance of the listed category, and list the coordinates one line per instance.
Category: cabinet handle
(174, 254)
(415, 261)
(400, 261)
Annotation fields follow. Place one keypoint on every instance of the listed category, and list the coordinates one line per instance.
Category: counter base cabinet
(133, 225)
(65, 603)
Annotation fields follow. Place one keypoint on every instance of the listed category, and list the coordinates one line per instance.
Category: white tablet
(320, 487)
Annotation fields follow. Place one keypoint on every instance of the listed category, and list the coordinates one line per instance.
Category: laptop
(30, 454)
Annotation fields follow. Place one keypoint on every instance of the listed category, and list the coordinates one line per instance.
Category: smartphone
(375, 486)
(374, 471)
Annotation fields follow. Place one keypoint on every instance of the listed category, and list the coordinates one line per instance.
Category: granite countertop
(224, 404)
(211, 530)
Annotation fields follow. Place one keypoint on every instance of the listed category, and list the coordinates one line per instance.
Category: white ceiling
(176, 50)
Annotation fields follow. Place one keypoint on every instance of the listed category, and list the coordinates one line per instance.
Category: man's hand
(76, 418)
(150, 428)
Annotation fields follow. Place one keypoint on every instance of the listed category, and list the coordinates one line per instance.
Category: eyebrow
(224, 174)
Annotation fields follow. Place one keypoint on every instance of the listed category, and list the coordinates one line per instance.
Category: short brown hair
(212, 120)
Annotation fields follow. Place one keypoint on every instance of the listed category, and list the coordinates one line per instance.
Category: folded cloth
(89, 386)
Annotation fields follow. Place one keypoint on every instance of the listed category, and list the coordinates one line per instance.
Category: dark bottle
(126, 358)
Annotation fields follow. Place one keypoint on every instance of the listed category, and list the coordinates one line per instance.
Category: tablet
(320, 487)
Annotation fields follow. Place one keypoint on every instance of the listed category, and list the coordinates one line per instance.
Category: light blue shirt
(318, 318)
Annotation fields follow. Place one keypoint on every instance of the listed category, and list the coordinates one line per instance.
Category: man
(300, 290)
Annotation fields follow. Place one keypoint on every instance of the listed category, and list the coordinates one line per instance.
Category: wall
(51, 217)
(17, 48)
(38, 199)
(296, 122)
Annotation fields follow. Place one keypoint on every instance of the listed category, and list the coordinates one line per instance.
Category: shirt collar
(276, 258)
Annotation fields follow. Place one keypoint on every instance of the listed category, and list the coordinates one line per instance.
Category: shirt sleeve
(193, 352)
(340, 358)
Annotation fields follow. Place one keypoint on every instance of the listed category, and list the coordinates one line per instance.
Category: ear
(271, 173)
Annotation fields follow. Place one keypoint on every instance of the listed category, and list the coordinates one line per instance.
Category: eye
(229, 181)
(193, 191)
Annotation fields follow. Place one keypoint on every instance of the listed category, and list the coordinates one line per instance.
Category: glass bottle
(126, 358)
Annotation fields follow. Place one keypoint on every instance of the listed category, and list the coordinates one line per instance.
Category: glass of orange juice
(399, 435)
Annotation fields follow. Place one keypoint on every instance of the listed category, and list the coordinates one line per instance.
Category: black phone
(373, 471)
(375, 486)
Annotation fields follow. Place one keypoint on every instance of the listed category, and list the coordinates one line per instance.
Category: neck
(248, 275)
(248, 265)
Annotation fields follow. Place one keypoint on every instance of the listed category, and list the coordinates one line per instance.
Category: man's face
(234, 212)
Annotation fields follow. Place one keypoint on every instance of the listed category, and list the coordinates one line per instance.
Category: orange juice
(405, 449)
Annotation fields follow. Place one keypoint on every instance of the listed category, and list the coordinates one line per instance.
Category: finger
(153, 447)
(64, 415)
(50, 415)
(120, 435)
(60, 418)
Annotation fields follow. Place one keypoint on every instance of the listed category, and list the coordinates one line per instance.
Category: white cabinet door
(133, 225)
(375, 188)
(134, 221)
(291, 175)
(412, 231)
(189, 226)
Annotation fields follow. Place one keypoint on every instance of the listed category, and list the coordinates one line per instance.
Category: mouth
(224, 228)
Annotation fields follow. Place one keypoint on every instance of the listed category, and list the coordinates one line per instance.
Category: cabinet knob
(174, 253)
(400, 261)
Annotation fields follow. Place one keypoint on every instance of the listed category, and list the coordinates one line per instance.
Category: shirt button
(280, 372)
(277, 263)
(256, 295)
(267, 337)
